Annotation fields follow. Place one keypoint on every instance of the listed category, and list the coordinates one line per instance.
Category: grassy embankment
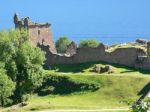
(116, 89)
(114, 47)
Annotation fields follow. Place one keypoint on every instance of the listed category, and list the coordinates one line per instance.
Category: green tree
(29, 61)
(7, 86)
(30, 72)
(89, 43)
(10, 42)
(61, 44)
(23, 61)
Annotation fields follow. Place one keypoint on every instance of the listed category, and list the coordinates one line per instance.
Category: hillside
(117, 89)
(115, 93)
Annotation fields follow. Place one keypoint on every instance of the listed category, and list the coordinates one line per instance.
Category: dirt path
(89, 110)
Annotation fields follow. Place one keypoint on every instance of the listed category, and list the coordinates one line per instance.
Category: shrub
(89, 43)
(64, 85)
(143, 106)
(61, 44)
(25, 97)
(7, 87)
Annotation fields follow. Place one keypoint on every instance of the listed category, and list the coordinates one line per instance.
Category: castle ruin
(41, 35)
(38, 33)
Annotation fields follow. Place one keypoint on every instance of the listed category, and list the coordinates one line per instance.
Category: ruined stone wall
(55, 58)
(38, 33)
(42, 35)
(71, 48)
(124, 56)
(145, 65)
(148, 48)
(90, 54)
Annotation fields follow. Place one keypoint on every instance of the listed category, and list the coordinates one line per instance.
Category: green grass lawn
(114, 93)
(116, 89)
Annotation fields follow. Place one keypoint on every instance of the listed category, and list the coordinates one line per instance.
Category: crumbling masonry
(41, 35)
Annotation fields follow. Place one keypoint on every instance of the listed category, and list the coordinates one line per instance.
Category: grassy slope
(117, 88)
(111, 49)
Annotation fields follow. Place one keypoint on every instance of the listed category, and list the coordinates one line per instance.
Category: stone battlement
(27, 22)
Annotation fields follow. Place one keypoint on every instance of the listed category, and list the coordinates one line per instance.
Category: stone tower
(38, 33)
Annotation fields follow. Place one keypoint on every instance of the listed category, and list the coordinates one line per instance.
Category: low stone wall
(124, 56)
(145, 65)
(90, 54)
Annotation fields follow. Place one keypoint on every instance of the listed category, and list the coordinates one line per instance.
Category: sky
(105, 20)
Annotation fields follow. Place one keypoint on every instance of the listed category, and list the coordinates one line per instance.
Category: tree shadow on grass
(75, 68)
(144, 91)
(80, 67)
(63, 85)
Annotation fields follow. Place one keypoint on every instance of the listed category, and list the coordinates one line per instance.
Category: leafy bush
(57, 84)
(61, 44)
(7, 87)
(89, 43)
(25, 97)
(143, 106)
